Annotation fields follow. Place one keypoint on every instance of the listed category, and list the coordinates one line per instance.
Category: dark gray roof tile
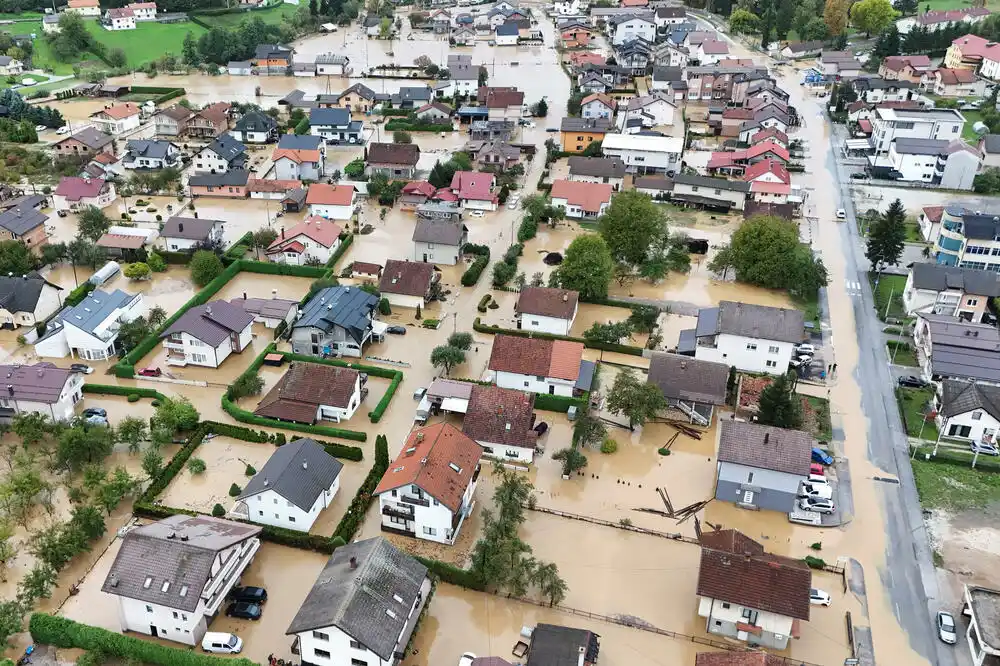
(766, 447)
(298, 471)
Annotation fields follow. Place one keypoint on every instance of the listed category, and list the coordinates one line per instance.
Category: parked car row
(246, 603)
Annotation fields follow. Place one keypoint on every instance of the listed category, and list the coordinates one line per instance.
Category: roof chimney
(282, 232)
(180, 226)
(767, 437)
(172, 535)
(353, 562)
(305, 465)
(565, 298)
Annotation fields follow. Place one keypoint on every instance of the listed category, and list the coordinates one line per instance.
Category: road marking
(852, 286)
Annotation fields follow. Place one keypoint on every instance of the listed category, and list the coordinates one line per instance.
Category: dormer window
(165, 586)
(146, 583)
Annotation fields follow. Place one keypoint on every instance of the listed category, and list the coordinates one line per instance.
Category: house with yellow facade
(578, 133)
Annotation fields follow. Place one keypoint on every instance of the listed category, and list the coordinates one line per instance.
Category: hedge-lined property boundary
(385, 373)
(64, 633)
(165, 94)
(479, 327)
(345, 243)
(355, 514)
(245, 416)
(110, 389)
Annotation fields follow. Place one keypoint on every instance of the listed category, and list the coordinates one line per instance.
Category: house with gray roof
(172, 577)
(969, 410)
(363, 608)
(89, 329)
(334, 124)
(951, 349)
(223, 154)
(26, 300)
(751, 338)
(761, 467)
(439, 241)
(208, 334)
(25, 223)
(297, 482)
(608, 170)
(182, 234)
(336, 321)
(963, 293)
(689, 385)
(148, 154)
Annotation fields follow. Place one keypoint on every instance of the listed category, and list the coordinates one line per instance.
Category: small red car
(150, 372)
(817, 469)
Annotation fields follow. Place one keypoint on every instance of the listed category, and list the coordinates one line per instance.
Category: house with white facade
(83, 7)
(294, 486)
(223, 154)
(180, 234)
(761, 467)
(427, 491)
(734, 599)
(208, 334)
(598, 105)
(953, 349)
(502, 421)
(89, 329)
(407, 284)
(119, 18)
(336, 321)
(143, 11)
(41, 388)
(333, 202)
(963, 293)
(645, 154)
(632, 26)
(334, 124)
(890, 124)
(439, 241)
(150, 154)
(547, 310)
(74, 193)
(117, 119)
(968, 410)
(708, 192)
(299, 157)
(474, 190)
(693, 387)
(645, 112)
(172, 577)
(752, 338)
(567, 7)
(580, 199)
(26, 300)
(313, 240)
(255, 127)
(951, 164)
(555, 367)
(609, 170)
(363, 607)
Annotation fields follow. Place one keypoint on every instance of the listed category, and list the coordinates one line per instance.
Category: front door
(552, 389)
(425, 257)
(152, 631)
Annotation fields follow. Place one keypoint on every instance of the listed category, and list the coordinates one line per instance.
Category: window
(357, 645)
(147, 582)
(771, 349)
(261, 512)
(320, 636)
(430, 531)
(725, 604)
(149, 609)
(525, 384)
(291, 519)
(175, 615)
(749, 615)
(184, 617)
(750, 477)
(751, 346)
(977, 415)
(359, 662)
(972, 302)
(321, 653)
(771, 364)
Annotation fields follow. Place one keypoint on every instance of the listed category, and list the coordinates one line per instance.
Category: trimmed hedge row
(355, 514)
(64, 633)
(80, 293)
(606, 346)
(473, 272)
(108, 389)
(449, 573)
(348, 452)
(406, 126)
(239, 248)
(345, 242)
(558, 403)
(166, 94)
(376, 414)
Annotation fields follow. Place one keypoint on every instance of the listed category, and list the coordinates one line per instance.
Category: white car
(40, 128)
(817, 480)
(801, 359)
(984, 447)
(816, 504)
(817, 491)
(841, 214)
(805, 348)
(466, 659)
(63, 130)
(476, 213)
(819, 597)
(946, 628)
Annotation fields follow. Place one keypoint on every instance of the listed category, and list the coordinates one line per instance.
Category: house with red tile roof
(580, 199)
(598, 105)
(75, 193)
(299, 157)
(312, 241)
(117, 119)
(904, 68)
(474, 189)
(502, 421)
(971, 52)
(734, 163)
(427, 491)
(407, 284)
(415, 193)
(770, 134)
(582, 58)
(769, 171)
(310, 392)
(937, 19)
(334, 202)
(554, 367)
(954, 82)
(767, 192)
(83, 7)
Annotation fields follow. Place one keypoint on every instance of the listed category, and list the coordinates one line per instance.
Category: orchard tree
(137, 271)
(93, 223)
(16, 258)
(586, 268)
(447, 357)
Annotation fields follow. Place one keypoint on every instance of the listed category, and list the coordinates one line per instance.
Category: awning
(455, 405)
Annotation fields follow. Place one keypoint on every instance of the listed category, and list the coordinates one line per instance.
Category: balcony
(419, 501)
(176, 346)
(398, 511)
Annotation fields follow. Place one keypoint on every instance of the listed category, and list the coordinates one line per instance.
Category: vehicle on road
(821, 456)
(215, 641)
(466, 659)
(244, 610)
(984, 447)
(476, 213)
(801, 360)
(40, 128)
(819, 597)
(805, 348)
(95, 411)
(81, 367)
(817, 505)
(396, 330)
(912, 381)
(250, 594)
(815, 469)
(150, 372)
(819, 491)
(946, 628)
(841, 214)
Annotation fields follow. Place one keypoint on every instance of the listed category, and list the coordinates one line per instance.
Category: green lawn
(912, 404)
(48, 87)
(949, 486)
(822, 427)
(148, 41)
(273, 15)
(971, 118)
(20, 16)
(913, 234)
(902, 353)
(942, 5)
(889, 285)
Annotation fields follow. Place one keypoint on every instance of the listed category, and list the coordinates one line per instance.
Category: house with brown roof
(502, 421)
(761, 467)
(546, 310)
(117, 119)
(208, 334)
(395, 160)
(310, 392)
(75, 193)
(750, 595)
(210, 122)
(953, 82)
(580, 199)
(555, 367)
(407, 284)
(87, 141)
(904, 68)
(691, 386)
(310, 242)
(428, 490)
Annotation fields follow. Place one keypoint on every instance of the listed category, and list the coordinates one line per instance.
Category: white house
(172, 577)
(598, 105)
(968, 410)
(41, 388)
(334, 202)
(294, 486)
(891, 124)
(709, 51)
(255, 127)
(144, 11)
(950, 164)
(502, 421)
(299, 157)
(634, 26)
(190, 233)
(334, 124)
(580, 199)
(761, 467)
(536, 365)
(345, 622)
(312, 240)
(735, 604)
(27, 300)
(223, 154)
(50, 24)
(645, 154)
(308, 393)
(117, 119)
(474, 190)
(119, 18)
(506, 34)
(83, 7)
(567, 7)
(439, 241)
(10, 66)
(646, 111)
(546, 310)
(207, 334)
(428, 489)
(74, 193)
(407, 284)
(610, 170)
(752, 338)
(336, 320)
(150, 154)
(963, 293)
(89, 330)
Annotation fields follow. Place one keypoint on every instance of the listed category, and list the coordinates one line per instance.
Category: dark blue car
(244, 610)
(821, 456)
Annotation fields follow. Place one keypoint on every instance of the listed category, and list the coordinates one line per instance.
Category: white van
(215, 641)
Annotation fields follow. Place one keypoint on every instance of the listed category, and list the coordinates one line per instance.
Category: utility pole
(889, 303)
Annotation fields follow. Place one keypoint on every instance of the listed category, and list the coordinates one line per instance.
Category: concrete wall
(771, 490)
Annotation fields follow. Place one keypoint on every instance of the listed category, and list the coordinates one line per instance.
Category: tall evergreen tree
(886, 237)
(778, 405)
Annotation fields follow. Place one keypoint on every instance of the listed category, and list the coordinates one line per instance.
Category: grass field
(148, 41)
(912, 404)
(941, 5)
(272, 15)
(889, 285)
(902, 353)
(971, 118)
(953, 487)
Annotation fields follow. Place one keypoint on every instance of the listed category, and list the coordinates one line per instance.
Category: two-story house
(632, 26)
(150, 154)
(645, 154)
(578, 133)
(24, 222)
(407, 284)
(180, 234)
(608, 170)
(904, 68)
(232, 184)
(710, 193)
(581, 200)
(333, 202)
(223, 154)
(117, 119)
(172, 577)
(889, 124)
(83, 7)
(87, 141)
(359, 98)
(951, 349)
(119, 18)
(312, 241)
(427, 491)
(761, 467)
(439, 241)
(539, 366)
(143, 11)
(502, 421)
(299, 157)
(41, 388)
(272, 59)
(598, 105)
(752, 338)
(255, 127)
(963, 293)
(89, 330)
(309, 392)
(74, 193)
(26, 300)
(336, 321)
(546, 310)
(394, 160)
(474, 190)
(645, 112)
(208, 334)
(210, 121)
(735, 601)
(363, 607)
(335, 126)
(968, 410)
(172, 121)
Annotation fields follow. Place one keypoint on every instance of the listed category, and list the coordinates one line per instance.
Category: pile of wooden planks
(680, 515)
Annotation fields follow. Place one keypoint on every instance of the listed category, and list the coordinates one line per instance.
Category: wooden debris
(666, 501)
(670, 442)
(697, 527)
(658, 512)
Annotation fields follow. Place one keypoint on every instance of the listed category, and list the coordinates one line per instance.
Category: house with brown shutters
(310, 392)
(395, 160)
(407, 284)
(546, 310)
(502, 421)
(750, 595)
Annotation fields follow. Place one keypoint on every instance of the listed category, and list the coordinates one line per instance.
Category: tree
(83, 445)
(205, 267)
(784, 18)
(133, 431)
(744, 22)
(152, 463)
(540, 109)
(401, 136)
(447, 357)
(643, 318)
(872, 16)
(176, 415)
(245, 385)
(816, 28)
(11, 619)
(112, 490)
(36, 584)
(987, 182)
(263, 237)
(588, 431)
(93, 223)
(88, 521)
(587, 267)
(550, 584)
(137, 271)
(778, 405)
(571, 458)
(16, 258)
(886, 237)
(302, 127)
(189, 51)
(461, 341)
(631, 225)
(593, 149)
(609, 333)
(835, 15)
(31, 427)
(636, 400)
(889, 43)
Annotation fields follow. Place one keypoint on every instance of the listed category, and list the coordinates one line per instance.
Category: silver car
(816, 504)
(946, 628)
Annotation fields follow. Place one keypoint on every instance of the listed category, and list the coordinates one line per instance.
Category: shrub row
(558, 403)
(108, 389)
(348, 452)
(606, 346)
(355, 513)
(449, 573)
(374, 371)
(527, 230)
(175, 258)
(239, 248)
(170, 470)
(65, 633)
(472, 273)
(407, 126)
(484, 303)
(376, 414)
(166, 94)
(80, 293)
(345, 242)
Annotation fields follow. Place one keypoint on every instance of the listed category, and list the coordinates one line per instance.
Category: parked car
(816, 504)
(466, 659)
(476, 213)
(819, 597)
(983, 447)
(81, 367)
(419, 393)
(821, 456)
(250, 594)
(150, 372)
(815, 469)
(912, 381)
(946, 628)
(62, 213)
(40, 128)
(244, 610)
(818, 491)
(841, 214)
(805, 348)
(96, 420)
(396, 330)
(541, 428)
(214, 641)
(801, 360)
(95, 411)
(818, 480)
(63, 130)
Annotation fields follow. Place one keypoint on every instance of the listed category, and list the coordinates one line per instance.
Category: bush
(355, 513)
(527, 230)
(218, 511)
(235, 490)
(814, 562)
(376, 414)
(127, 391)
(346, 452)
(453, 575)
(384, 308)
(484, 303)
(473, 272)
(609, 445)
(133, 397)
(558, 403)
(816, 546)
(250, 470)
(76, 296)
(196, 466)
(345, 242)
(663, 451)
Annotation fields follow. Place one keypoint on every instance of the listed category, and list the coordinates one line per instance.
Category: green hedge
(472, 273)
(406, 126)
(558, 403)
(78, 294)
(606, 346)
(61, 632)
(166, 94)
(355, 514)
(108, 389)
(239, 248)
(449, 573)
(175, 258)
(376, 414)
(176, 464)
(349, 452)
(345, 242)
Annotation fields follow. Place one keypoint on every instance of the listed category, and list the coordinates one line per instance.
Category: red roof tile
(330, 195)
(304, 387)
(474, 185)
(559, 359)
(588, 196)
(763, 167)
(501, 416)
(319, 229)
(74, 188)
(119, 111)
